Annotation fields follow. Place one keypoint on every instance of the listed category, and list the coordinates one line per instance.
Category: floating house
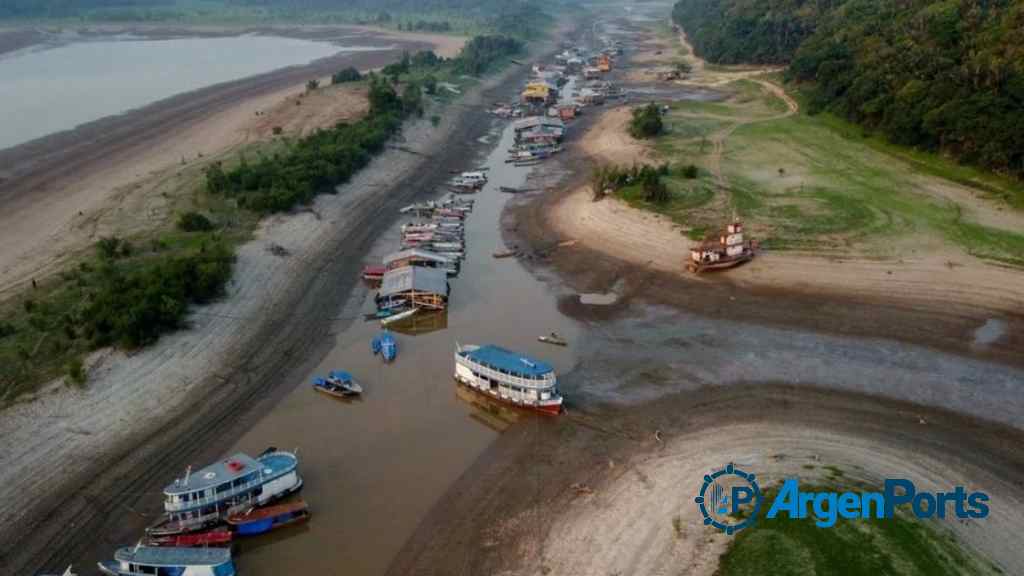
(540, 93)
(414, 287)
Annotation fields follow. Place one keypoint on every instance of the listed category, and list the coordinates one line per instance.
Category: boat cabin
(212, 483)
(416, 257)
(170, 562)
(416, 286)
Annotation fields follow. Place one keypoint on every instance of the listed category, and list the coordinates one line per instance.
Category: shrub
(76, 371)
(349, 74)
(646, 122)
(194, 222)
(690, 172)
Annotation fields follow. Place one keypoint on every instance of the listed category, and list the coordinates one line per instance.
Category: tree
(312, 85)
(646, 122)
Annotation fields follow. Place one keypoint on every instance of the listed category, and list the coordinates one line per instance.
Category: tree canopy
(944, 75)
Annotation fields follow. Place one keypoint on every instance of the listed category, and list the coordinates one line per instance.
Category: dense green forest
(941, 75)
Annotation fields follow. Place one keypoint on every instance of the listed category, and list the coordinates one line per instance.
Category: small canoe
(385, 345)
(219, 537)
(398, 316)
(262, 520)
(504, 253)
(553, 339)
(339, 384)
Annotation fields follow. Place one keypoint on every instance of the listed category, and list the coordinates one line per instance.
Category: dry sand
(54, 191)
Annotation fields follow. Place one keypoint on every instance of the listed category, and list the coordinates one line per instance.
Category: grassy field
(806, 182)
(901, 546)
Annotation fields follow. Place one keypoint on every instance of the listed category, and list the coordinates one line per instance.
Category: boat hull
(723, 264)
(546, 409)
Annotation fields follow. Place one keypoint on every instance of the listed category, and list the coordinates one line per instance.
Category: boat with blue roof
(508, 377)
(385, 345)
(206, 497)
(338, 383)
(139, 560)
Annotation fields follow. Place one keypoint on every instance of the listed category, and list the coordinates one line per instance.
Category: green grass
(900, 546)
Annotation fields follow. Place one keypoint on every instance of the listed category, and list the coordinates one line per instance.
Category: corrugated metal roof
(214, 474)
(414, 252)
(156, 556)
(509, 361)
(417, 278)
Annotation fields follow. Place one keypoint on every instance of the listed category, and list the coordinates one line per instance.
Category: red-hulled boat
(218, 537)
(373, 273)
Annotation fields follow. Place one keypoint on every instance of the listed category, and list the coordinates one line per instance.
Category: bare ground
(86, 459)
(51, 187)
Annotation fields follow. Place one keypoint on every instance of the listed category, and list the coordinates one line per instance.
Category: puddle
(993, 329)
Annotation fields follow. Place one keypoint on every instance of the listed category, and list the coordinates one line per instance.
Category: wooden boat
(218, 537)
(553, 339)
(385, 345)
(373, 273)
(262, 520)
(398, 316)
(725, 250)
(338, 384)
(504, 253)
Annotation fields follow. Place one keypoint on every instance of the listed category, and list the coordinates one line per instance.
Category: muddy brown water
(373, 467)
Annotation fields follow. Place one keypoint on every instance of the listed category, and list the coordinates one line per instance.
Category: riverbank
(53, 187)
(679, 376)
(84, 458)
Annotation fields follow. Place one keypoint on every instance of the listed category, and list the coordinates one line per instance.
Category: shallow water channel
(373, 467)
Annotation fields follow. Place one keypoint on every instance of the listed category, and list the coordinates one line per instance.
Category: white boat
(400, 316)
(177, 561)
(508, 377)
(207, 496)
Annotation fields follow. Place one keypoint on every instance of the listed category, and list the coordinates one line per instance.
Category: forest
(319, 162)
(941, 75)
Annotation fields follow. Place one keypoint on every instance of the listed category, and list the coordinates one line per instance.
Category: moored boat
(177, 561)
(385, 345)
(508, 377)
(373, 273)
(204, 498)
(553, 339)
(263, 520)
(218, 537)
(338, 383)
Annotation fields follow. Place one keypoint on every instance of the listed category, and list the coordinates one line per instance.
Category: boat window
(224, 487)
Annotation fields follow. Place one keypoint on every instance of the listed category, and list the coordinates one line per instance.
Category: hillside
(941, 75)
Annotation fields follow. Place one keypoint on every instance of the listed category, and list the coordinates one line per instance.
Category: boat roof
(233, 467)
(503, 359)
(534, 121)
(414, 253)
(417, 278)
(341, 375)
(159, 556)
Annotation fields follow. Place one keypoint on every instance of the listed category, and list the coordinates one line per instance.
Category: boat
(138, 560)
(504, 253)
(725, 250)
(385, 345)
(217, 537)
(508, 377)
(510, 190)
(553, 339)
(262, 520)
(373, 273)
(399, 316)
(203, 499)
(339, 384)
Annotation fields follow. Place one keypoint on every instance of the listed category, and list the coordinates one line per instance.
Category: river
(374, 467)
(47, 89)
